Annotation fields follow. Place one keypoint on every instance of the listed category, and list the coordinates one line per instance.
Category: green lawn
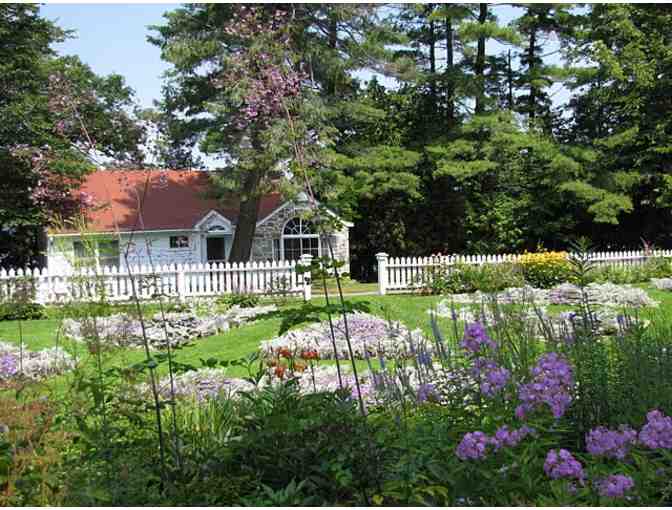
(236, 343)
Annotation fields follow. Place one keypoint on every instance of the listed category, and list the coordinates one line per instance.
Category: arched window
(298, 238)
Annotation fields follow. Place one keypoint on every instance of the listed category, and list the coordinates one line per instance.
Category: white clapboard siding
(409, 273)
(174, 280)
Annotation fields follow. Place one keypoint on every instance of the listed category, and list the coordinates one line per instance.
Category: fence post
(382, 273)
(306, 259)
(181, 282)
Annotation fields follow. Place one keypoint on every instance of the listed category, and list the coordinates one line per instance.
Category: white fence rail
(409, 273)
(174, 280)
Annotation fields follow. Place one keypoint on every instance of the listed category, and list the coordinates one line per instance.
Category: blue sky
(113, 38)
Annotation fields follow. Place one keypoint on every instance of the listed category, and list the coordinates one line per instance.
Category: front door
(216, 249)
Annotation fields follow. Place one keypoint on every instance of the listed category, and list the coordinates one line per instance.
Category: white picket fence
(409, 273)
(175, 280)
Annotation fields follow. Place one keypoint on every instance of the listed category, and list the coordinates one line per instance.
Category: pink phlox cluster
(562, 464)
(657, 432)
(551, 384)
(610, 443)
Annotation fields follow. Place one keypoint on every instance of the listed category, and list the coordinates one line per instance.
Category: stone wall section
(262, 247)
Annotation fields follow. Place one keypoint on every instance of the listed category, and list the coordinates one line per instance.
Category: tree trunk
(450, 88)
(530, 72)
(432, 61)
(479, 68)
(247, 218)
(509, 78)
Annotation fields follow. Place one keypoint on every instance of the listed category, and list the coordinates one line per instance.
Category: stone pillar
(382, 273)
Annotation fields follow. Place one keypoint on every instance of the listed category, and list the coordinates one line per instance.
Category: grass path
(239, 342)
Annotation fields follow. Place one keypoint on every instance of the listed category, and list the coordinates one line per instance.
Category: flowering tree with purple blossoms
(43, 151)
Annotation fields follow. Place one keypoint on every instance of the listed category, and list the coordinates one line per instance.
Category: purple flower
(657, 433)
(505, 437)
(491, 376)
(561, 464)
(615, 486)
(475, 338)
(551, 385)
(610, 443)
(424, 358)
(8, 366)
(427, 392)
(473, 446)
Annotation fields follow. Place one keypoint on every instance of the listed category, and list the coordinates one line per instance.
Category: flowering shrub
(369, 336)
(561, 464)
(552, 384)
(203, 384)
(610, 443)
(492, 378)
(657, 433)
(545, 269)
(475, 339)
(474, 445)
(33, 364)
(615, 486)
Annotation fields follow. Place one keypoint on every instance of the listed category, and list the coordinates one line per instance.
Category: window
(276, 249)
(179, 241)
(108, 253)
(298, 238)
(80, 251)
(105, 253)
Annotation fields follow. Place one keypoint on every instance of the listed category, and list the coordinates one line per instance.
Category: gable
(214, 222)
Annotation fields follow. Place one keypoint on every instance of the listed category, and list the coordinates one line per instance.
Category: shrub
(21, 311)
(320, 438)
(463, 278)
(545, 269)
(241, 300)
(656, 267)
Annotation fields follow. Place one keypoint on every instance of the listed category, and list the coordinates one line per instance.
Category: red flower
(310, 354)
(280, 371)
(285, 353)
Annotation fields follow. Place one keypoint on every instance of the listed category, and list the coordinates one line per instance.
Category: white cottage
(166, 217)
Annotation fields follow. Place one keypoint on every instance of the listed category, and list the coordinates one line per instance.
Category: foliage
(31, 451)
(21, 311)
(656, 267)
(463, 278)
(283, 429)
(241, 300)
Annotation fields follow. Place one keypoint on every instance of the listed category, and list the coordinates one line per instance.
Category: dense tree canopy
(435, 127)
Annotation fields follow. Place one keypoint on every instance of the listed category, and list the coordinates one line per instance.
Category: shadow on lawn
(308, 312)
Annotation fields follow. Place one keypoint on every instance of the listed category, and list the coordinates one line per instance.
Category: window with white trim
(179, 241)
(299, 238)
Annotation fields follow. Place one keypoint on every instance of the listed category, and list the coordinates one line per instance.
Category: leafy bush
(287, 437)
(241, 300)
(545, 269)
(463, 278)
(21, 311)
(657, 267)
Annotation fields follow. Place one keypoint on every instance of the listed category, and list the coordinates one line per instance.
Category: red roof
(171, 200)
